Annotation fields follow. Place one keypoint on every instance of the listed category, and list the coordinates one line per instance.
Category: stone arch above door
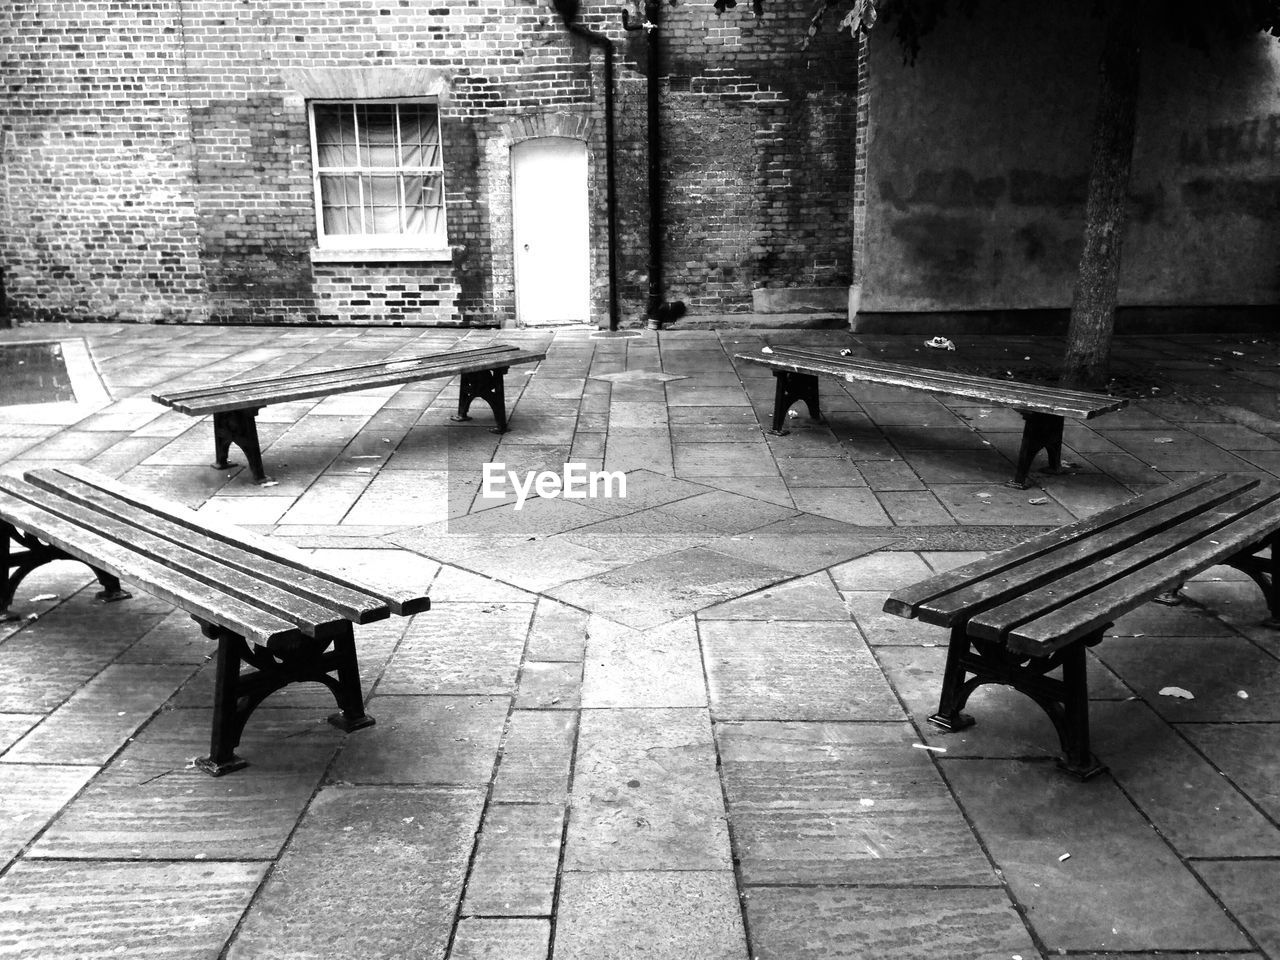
(575, 126)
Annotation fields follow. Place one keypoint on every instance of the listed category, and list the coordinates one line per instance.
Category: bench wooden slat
(313, 619)
(376, 366)
(194, 596)
(918, 599)
(353, 604)
(254, 394)
(1001, 392)
(1246, 511)
(1103, 546)
(402, 602)
(866, 364)
(887, 366)
(1044, 399)
(1131, 591)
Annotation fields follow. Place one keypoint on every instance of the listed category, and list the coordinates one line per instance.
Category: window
(379, 175)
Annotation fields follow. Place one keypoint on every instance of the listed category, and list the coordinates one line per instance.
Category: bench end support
(111, 590)
(486, 385)
(952, 722)
(1042, 431)
(1082, 771)
(791, 387)
(241, 428)
(217, 769)
(348, 724)
(237, 694)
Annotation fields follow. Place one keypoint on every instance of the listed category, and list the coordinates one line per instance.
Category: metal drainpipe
(568, 10)
(658, 311)
(652, 8)
(651, 25)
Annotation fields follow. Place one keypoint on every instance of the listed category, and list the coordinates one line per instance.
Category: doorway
(550, 227)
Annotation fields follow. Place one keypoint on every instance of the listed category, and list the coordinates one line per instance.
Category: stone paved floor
(670, 725)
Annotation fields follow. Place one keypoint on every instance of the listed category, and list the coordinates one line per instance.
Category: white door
(550, 227)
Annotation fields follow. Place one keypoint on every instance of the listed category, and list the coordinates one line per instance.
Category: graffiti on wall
(1243, 141)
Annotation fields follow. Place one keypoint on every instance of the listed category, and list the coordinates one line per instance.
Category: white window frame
(355, 246)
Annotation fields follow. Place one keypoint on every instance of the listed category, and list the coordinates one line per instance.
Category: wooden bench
(1043, 408)
(235, 405)
(268, 605)
(1019, 614)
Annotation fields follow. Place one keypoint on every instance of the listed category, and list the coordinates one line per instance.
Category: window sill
(380, 255)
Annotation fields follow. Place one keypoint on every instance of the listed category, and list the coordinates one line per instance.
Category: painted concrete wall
(978, 156)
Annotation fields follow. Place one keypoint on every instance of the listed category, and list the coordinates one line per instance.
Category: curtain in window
(380, 170)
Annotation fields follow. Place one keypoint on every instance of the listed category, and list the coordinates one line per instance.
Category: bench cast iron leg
(791, 388)
(954, 695)
(1042, 431)
(486, 385)
(1073, 732)
(1265, 572)
(237, 694)
(1065, 701)
(241, 428)
(16, 566)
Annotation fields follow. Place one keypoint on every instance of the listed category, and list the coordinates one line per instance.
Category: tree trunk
(1093, 305)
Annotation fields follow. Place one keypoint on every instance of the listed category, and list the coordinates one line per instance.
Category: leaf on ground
(1177, 692)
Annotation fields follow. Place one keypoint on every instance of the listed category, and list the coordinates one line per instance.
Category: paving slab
(1246, 754)
(881, 571)
(403, 849)
(647, 915)
(14, 725)
(654, 667)
(170, 911)
(1246, 889)
(48, 659)
(151, 803)
(842, 803)
(855, 505)
(452, 583)
(537, 754)
(793, 670)
(1099, 897)
(549, 686)
(516, 862)
(1215, 670)
(425, 740)
(806, 598)
(646, 796)
(501, 939)
(899, 923)
(656, 591)
(1191, 803)
(460, 648)
(558, 632)
(646, 448)
(724, 512)
(31, 795)
(96, 720)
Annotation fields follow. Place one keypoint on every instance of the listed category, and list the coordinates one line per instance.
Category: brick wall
(156, 161)
(758, 162)
(98, 207)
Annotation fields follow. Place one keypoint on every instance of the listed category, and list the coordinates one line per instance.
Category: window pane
(424, 206)
(335, 135)
(340, 201)
(382, 204)
(420, 131)
(378, 134)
